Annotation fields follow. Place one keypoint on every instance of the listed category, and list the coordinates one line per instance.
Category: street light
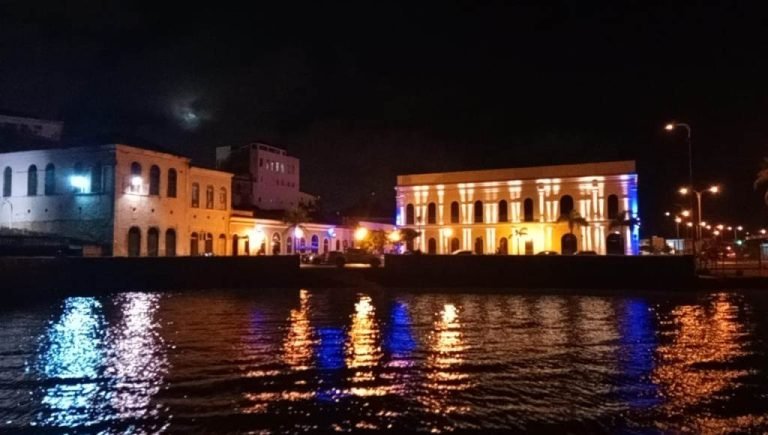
(710, 189)
(678, 220)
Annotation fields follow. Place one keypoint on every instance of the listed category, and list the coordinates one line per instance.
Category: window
(409, 214)
(566, 205)
(221, 245)
(528, 210)
(153, 242)
(454, 212)
(134, 242)
(613, 207)
(170, 242)
(32, 180)
(454, 244)
(208, 243)
(7, 180)
(315, 244)
(275, 244)
(431, 213)
(136, 180)
(503, 212)
(193, 245)
(478, 212)
(432, 246)
(479, 246)
(154, 180)
(235, 242)
(223, 198)
(195, 195)
(50, 180)
(289, 245)
(171, 183)
(261, 163)
(209, 196)
(96, 178)
(78, 182)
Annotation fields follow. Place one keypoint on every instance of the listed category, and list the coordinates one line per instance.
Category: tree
(375, 241)
(517, 233)
(573, 219)
(295, 218)
(762, 178)
(408, 235)
(623, 219)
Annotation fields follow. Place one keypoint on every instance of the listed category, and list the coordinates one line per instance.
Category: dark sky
(363, 91)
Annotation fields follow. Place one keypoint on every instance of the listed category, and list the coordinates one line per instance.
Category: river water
(321, 360)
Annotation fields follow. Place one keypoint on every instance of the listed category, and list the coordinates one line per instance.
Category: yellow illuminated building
(518, 210)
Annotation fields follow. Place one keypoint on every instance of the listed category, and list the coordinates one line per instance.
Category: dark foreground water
(293, 361)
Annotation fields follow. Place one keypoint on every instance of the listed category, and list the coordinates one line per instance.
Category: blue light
(329, 353)
(638, 345)
(398, 338)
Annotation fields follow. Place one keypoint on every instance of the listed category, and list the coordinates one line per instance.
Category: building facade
(265, 177)
(43, 128)
(518, 210)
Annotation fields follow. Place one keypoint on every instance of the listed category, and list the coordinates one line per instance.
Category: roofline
(617, 167)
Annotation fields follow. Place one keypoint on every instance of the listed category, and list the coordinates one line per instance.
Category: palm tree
(517, 233)
(623, 219)
(574, 219)
(762, 178)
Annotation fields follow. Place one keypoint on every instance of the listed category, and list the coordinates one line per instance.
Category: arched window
(235, 247)
(409, 215)
(222, 198)
(454, 212)
(315, 244)
(503, 246)
(153, 242)
(289, 245)
(221, 245)
(96, 178)
(276, 248)
(431, 213)
(568, 244)
(566, 205)
(528, 210)
(338, 245)
(247, 246)
(134, 242)
(503, 212)
(454, 244)
(478, 212)
(208, 243)
(154, 180)
(479, 246)
(32, 180)
(326, 244)
(195, 195)
(613, 206)
(135, 181)
(50, 180)
(209, 196)
(614, 244)
(171, 183)
(170, 242)
(431, 246)
(194, 248)
(7, 180)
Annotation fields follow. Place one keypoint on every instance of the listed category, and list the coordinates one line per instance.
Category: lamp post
(687, 190)
(671, 127)
(678, 219)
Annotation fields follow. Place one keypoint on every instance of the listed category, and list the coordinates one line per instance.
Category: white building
(517, 210)
(131, 201)
(265, 177)
(32, 126)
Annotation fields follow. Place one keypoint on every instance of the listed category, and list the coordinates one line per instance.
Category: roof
(622, 167)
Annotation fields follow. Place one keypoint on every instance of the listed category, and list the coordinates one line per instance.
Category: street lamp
(677, 226)
(687, 190)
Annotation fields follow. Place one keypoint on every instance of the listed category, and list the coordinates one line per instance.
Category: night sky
(364, 91)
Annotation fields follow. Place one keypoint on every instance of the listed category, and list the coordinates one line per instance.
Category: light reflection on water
(298, 360)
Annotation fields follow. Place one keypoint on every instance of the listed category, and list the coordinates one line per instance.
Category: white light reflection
(137, 358)
(72, 360)
(447, 352)
(363, 350)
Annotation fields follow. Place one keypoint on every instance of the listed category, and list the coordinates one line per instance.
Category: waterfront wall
(598, 272)
(20, 276)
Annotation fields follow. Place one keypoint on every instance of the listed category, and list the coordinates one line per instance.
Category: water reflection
(72, 360)
(697, 365)
(445, 376)
(363, 350)
(297, 346)
(137, 359)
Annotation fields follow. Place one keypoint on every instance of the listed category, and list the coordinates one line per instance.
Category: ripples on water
(293, 361)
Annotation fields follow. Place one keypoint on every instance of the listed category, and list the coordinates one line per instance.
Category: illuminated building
(29, 126)
(517, 210)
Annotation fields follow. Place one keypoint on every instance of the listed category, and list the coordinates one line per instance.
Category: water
(309, 360)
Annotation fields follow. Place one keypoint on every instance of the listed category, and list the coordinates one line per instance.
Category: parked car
(585, 253)
(354, 256)
(462, 252)
(548, 253)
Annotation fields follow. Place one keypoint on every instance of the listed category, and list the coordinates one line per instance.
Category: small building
(266, 177)
(29, 126)
(518, 210)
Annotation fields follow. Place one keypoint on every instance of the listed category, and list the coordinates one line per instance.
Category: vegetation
(574, 219)
(623, 220)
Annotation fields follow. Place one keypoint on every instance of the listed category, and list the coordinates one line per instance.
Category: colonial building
(518, 210)
(128, 200)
